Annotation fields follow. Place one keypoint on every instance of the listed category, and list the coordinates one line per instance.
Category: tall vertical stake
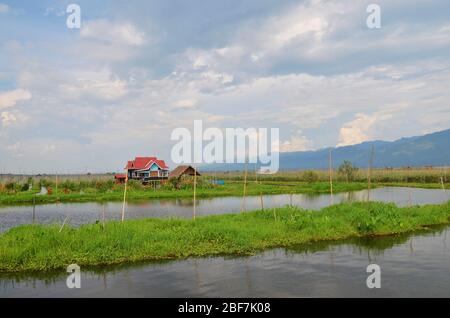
(245, 188)
(103, 215)
(369, 174)
(195, 190)
(124, 196)
(34, 208)
(330, 167)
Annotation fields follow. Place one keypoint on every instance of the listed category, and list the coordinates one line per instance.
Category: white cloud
(81, 84)
(11, 118)
(103, 88)
(106, 31)
(9, 99)
(311, 66)
(365, 127)
(299, 24)
(296, 143)
(7, 118)
(356, 131)
(54, 11)
(4, 8)
(185, 104)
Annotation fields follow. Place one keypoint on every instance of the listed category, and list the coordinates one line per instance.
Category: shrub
(310, 176)
(347, 170)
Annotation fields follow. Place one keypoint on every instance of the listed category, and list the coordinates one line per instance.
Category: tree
(348, 170)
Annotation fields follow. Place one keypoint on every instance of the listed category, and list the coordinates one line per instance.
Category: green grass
(231, 188)
(39, 248)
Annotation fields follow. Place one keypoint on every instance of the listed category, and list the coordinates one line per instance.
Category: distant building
(147, 169)
(120, 177)
(180, 171)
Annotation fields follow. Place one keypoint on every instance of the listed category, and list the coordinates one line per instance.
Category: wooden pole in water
(369, 172)
(330, 167)
(261, 200)
(195, 190)
(34, 208)
(103, 215)
(245, 188)
(442, 183)
(124, 196)
(56, 183)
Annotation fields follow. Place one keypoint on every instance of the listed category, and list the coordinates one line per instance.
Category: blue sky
(89, 99)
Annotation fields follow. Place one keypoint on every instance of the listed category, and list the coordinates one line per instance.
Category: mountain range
(427, 150)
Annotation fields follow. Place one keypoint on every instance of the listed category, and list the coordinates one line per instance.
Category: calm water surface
(411, 266)
(80, 213)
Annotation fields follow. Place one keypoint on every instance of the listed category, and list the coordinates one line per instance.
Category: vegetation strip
(39, 248)
(232, 188)
(136, 192)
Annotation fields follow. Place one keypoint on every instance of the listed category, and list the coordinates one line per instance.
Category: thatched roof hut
(180, 171)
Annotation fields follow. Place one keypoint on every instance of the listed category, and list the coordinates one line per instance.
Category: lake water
(411, 266)
(80, 213)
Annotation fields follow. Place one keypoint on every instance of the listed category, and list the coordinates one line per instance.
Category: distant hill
(427, 150)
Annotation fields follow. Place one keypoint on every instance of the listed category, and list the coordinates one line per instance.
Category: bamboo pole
(195, 191)
(261, 200)
(64, 222)
(103, 215)
(369, 172)
(34, 208)
(245, 189)
(330, 167)
(124, 196)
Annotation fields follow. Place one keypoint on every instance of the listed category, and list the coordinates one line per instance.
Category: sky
(86, 100)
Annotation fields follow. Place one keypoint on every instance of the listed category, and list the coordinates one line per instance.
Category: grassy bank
(418, 175)
(23, 190)
(37, 247)
(231, 188)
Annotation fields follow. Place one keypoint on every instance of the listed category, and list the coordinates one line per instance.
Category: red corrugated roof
(140, 163)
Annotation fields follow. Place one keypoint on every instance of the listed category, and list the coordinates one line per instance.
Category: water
(80, 213)
(411, 266)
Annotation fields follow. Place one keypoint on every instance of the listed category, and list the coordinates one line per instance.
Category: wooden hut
(120, 178)
(180, 171)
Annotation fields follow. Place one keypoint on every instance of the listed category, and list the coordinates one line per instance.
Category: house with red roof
(147, 169)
